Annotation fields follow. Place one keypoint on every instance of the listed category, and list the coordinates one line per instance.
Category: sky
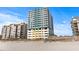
(62, 17)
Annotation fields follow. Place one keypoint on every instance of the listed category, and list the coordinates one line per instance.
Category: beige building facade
(14, 31)
(75, 27)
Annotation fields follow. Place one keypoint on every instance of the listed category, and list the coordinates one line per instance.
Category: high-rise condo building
(40, 23)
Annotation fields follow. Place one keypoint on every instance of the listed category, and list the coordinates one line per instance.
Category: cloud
(6, 19)
(63, 29)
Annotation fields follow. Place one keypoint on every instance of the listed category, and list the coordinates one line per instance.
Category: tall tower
(40, 24)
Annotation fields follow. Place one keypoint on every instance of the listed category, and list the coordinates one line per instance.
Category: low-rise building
(14, 31)
(75, 27)
(22, 30)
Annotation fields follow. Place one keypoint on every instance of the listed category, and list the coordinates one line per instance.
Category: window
(33, 26)
(29, 36)
(33, 29)
(29, 32)
(45, 31)
(29, 29)
(45, 27)
(46, 35)
(46, 18)
(36, 29)
(39, 28)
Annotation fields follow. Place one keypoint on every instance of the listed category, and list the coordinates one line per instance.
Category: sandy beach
(38, 46)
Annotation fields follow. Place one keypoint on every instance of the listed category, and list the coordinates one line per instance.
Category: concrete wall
(61, 38)
(76, 38)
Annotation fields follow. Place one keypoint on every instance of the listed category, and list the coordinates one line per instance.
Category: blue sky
(62, 17)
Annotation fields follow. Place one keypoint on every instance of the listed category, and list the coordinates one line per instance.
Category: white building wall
(18, 31)
(13, 31)
(8, 32)
(4, 32)
(21, 30)
(38, 34)
(29, 34)
(78, 25)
